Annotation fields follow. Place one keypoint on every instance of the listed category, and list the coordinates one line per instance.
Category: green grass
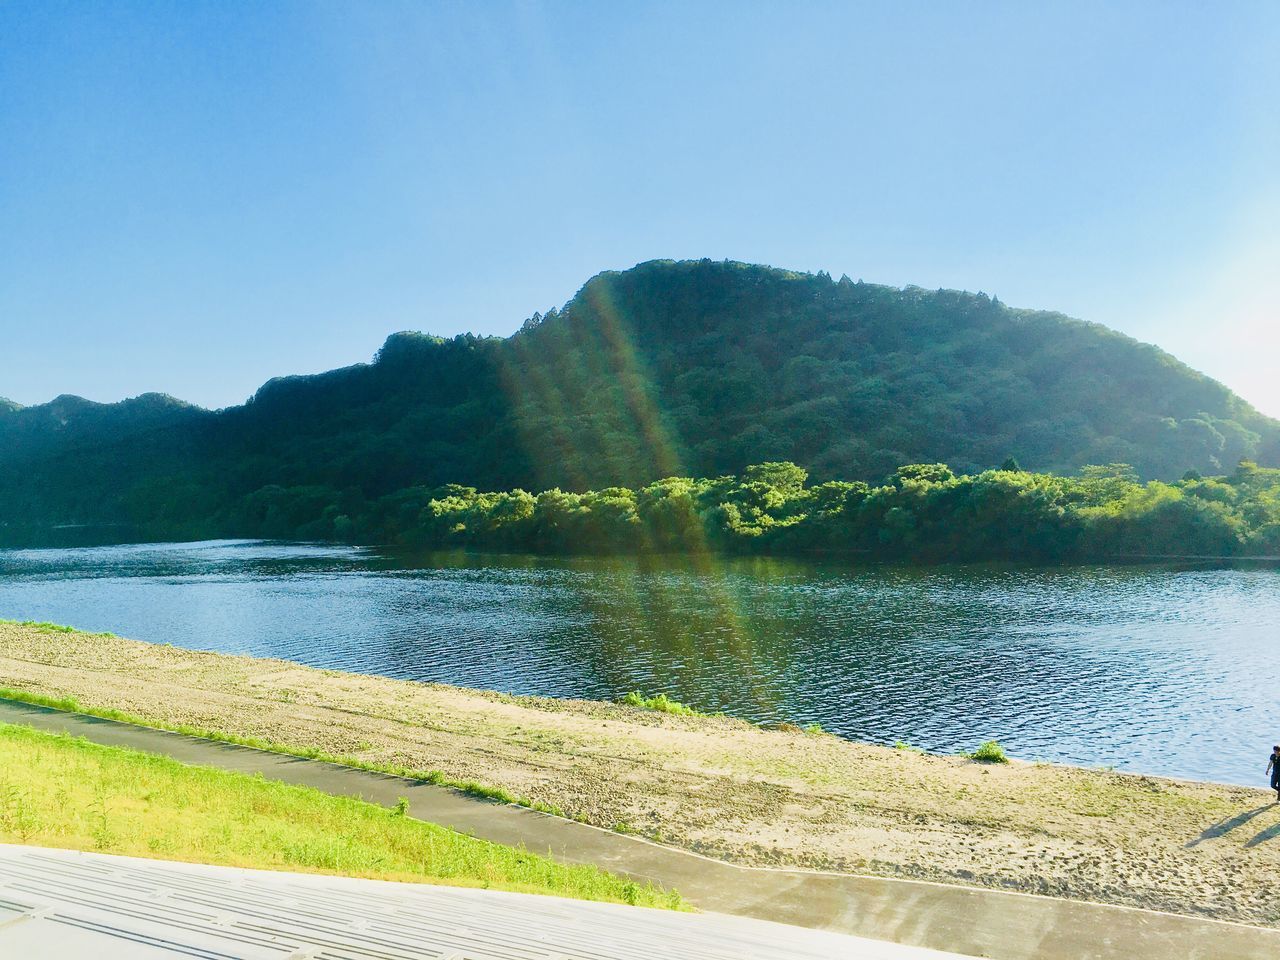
(57, 791)
(989, 752)
(435, 777)
(662, 704)
(43, 625)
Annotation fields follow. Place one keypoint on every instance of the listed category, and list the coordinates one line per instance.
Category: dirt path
(717, 785)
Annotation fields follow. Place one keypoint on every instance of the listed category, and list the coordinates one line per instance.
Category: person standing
(1273, 768)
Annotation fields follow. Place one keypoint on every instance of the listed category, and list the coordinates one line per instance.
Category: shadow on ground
(1223, 827)
(1268, 834)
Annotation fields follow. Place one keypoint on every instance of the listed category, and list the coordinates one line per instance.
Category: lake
(1158, 669)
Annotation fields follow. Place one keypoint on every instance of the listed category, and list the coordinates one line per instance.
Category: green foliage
(49, 627)
(689, 369)
(18, 815)
(661, 703)
(923, 512)
(989, 752)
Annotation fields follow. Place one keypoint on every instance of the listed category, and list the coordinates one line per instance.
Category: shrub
(989, 752)
(661, 703)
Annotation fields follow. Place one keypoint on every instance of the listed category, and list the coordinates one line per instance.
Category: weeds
(18, 815)
(46, 626)
(989, 752)
(661, 704)
(100, 830)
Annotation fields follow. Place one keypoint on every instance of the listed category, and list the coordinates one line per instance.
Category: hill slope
(68, 421)
(693, 367)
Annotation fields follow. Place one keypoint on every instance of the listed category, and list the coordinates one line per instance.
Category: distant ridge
(671, 367)
(68, 421)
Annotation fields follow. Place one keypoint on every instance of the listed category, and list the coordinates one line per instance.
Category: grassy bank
(712, 784)
(307, 752)
(61, 792)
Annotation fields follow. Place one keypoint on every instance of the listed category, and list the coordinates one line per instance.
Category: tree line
(922, 512)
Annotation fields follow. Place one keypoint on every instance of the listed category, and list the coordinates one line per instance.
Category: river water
(1158, 669)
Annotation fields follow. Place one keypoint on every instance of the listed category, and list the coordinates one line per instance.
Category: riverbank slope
(716, 785)
(69, 793)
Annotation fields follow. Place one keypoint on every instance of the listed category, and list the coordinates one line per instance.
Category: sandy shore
(716, 785)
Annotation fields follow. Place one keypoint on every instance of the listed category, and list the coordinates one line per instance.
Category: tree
(783, 476)
(922, 473)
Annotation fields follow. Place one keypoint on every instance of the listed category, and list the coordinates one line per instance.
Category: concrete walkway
(975, 922)
(62, 904)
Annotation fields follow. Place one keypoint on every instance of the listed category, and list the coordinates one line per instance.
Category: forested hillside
(670, 369)
(68, 422)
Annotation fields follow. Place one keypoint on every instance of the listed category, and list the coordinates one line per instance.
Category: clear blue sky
(195, 197)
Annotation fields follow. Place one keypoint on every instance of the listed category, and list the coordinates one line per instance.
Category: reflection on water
(1157, 669)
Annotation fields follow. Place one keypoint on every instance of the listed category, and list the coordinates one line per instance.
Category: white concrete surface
(66, 905)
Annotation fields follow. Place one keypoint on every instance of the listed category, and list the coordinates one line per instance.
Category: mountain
(669, 368)
(70, 422)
